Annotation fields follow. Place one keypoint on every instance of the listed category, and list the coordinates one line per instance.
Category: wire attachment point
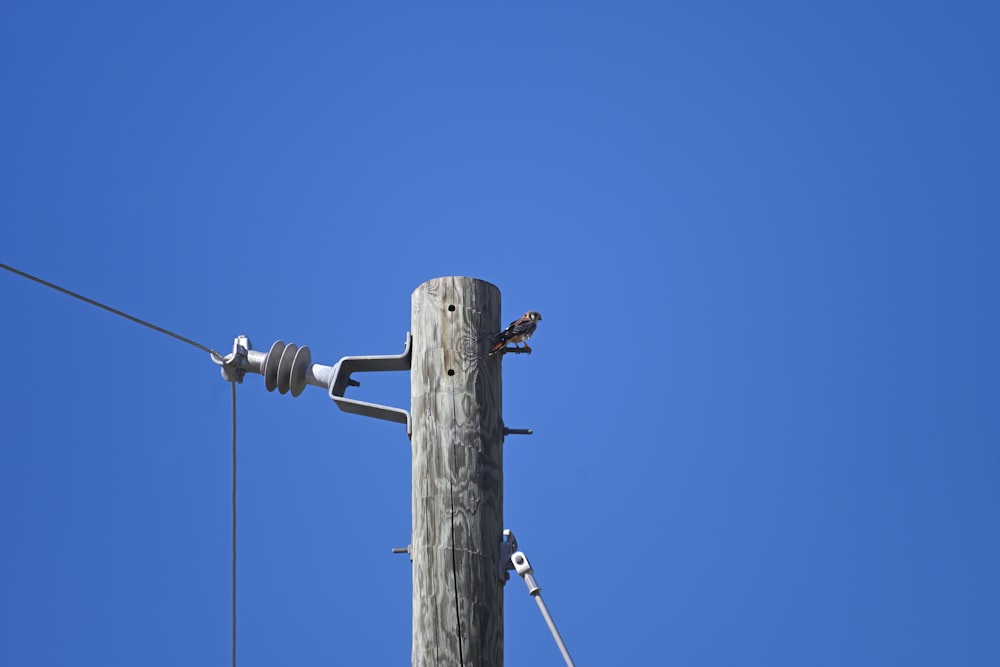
(507, 548)
(234, 364)
(512, 559)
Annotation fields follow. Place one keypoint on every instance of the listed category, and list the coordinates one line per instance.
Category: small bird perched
(518, 331)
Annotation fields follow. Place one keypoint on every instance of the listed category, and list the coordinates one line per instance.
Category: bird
(518, 331)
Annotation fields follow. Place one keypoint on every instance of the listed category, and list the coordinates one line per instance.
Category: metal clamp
(233, 365)
(508, 545)
(513, 559)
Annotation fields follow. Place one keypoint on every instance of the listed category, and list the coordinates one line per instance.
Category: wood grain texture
(455, 390)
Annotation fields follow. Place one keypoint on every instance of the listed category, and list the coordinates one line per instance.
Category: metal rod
(552, 629)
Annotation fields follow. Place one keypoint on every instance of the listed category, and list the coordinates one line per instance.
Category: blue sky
(764, 240)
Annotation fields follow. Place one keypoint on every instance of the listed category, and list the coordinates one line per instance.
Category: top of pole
(435, 281)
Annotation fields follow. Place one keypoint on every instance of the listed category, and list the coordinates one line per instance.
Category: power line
(183, 339)
(234, 523)
(115, 311)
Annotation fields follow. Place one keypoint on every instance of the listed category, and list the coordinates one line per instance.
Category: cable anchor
(512, 559)
(508, 545)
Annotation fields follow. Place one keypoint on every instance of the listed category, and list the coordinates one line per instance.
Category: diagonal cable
(183, 339)
(115, 311)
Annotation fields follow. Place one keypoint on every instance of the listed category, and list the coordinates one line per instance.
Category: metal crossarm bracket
(342, 380)
(290, 368)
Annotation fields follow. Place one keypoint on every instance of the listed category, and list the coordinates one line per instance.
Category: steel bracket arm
(341, 380)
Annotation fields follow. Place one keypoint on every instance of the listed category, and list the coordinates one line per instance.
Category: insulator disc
(298, 373)
(285, 368)
(271, 365)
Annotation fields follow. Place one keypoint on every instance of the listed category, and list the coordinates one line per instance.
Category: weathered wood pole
(457, 438)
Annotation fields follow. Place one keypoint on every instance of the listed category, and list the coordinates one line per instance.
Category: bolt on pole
(457, 448)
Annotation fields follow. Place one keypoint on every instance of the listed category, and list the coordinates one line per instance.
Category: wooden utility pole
(457, 444)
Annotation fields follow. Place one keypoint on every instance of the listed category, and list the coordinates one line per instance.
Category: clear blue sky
(764, 238)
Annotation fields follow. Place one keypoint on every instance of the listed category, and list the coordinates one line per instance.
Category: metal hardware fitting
(341, 380)
(514, 350)
(290, 368)
(517, 431)
(512, 559)
(508, 545)
(523, 567)
(232, 367)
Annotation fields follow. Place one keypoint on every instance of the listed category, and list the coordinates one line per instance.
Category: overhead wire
(183, 339)
(234, 524)
(115, 311)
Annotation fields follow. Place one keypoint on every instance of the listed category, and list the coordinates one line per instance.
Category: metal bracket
(508, 547)
(290, 368)
(341, 380)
